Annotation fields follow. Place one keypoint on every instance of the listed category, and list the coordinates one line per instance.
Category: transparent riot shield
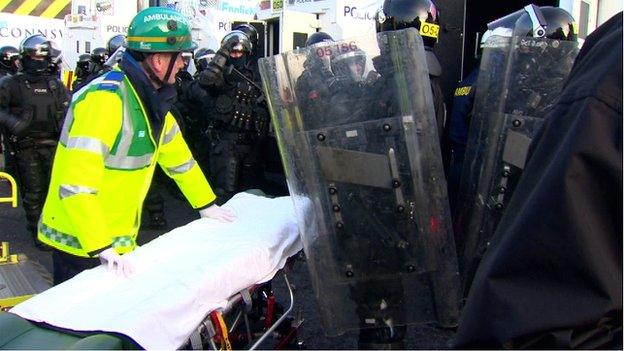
(519, 80)
(357, 135)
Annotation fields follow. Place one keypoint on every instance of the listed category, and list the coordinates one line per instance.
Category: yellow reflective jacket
(103, 168)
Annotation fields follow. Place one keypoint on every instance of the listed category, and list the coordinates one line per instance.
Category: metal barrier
(13, 198)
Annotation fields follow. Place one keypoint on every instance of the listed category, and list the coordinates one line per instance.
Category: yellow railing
(13, 198)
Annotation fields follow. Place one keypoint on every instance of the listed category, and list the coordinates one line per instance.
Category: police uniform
(459, 124)
(39, 101)
(238, 123)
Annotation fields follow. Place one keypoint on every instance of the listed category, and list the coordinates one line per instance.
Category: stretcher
(203, 285)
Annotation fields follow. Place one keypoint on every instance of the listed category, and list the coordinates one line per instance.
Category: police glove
(212, 76)
(115, 262)
(218, 213)
(220, 59)
(16, 126)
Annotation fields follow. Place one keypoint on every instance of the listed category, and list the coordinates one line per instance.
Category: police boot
(382, 338)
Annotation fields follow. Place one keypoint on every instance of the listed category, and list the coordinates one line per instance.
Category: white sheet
(180, 276)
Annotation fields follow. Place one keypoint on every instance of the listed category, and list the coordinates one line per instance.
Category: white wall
(608, 8)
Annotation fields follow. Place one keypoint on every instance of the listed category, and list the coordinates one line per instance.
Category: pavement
(178, 212)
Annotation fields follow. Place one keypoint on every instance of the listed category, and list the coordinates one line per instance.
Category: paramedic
(116, 131)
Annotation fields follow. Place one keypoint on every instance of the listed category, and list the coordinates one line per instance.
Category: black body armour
(238, 124)
(237, 109)
(43, 100)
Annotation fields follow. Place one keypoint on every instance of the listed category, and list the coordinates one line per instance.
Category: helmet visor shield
(351, 65)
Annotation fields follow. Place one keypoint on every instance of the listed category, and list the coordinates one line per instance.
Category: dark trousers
(66, 266)
(34, 167)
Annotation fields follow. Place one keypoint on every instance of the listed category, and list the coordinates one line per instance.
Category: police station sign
(14, 28)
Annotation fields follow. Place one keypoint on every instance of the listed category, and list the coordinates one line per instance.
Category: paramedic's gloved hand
(121, 265)
(218, 213)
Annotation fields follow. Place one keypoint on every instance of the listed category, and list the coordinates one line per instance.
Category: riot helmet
(238, 46)
(115, 43)
(318, 37)
(37, 52)
(401, 14)
(349, 65)
(159, 30)
(203, 57)
(540, 22)
(83, 65)
(9, 59)
(251, 33)
(99, 56)
(237, 43)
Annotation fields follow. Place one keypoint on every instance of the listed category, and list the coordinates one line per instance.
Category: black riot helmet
(318, 37)
(37, 46)
(9, 59)
(203, 56)
(115, 43)
(99, 56)
(557, 23)
(250, 31)
(401, 14)
(83, 62)
(237, 41)
(540, 22)
(37, 52)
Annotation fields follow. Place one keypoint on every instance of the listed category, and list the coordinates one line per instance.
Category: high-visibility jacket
(103, 168)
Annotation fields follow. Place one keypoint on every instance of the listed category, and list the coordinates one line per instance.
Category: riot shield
(358, 139)
(519, 80)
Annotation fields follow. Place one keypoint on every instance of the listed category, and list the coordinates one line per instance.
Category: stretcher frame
(213, 330)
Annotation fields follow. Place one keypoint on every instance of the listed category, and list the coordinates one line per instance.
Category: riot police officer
(9, 65)
(96, 67)
(424, 16)
(192, 104)
(115, 43)
(238, 121)
(99, 56)
(9, 61)
(115, 47)
(362, 154)
(32, 107)
(312, 84)
(521, 74)
(202, 58)
(82, 71)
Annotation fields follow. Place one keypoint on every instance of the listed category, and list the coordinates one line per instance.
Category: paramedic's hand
(117, 263)
(218, 213)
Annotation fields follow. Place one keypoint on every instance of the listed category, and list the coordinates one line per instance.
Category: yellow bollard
(13, 198)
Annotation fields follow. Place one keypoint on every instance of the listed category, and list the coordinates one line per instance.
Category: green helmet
(159, 29)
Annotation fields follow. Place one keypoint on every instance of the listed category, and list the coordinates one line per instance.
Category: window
(77, 46)
(87, 47)
(299, 39)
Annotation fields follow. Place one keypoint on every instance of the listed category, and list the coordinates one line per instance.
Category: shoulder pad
(111, 81)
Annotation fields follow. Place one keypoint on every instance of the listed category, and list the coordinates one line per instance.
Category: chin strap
(174, 58)
(154, 77)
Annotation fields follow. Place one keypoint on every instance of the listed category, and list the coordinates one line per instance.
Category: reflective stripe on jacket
(103, 169)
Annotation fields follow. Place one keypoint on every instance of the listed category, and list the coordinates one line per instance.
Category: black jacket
(552, 277)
